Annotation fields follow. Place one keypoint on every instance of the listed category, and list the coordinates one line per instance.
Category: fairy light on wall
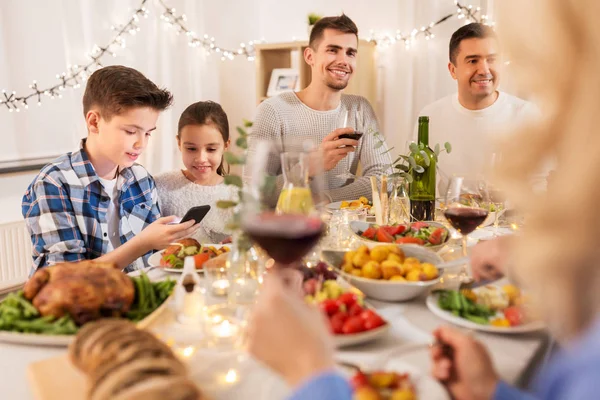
(76, 74)
(177, 22)
(468, 13)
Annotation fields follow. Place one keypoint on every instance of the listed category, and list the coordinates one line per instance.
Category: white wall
(38, 43)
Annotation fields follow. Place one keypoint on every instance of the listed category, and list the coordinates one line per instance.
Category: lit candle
(225, 330)
(219, 287)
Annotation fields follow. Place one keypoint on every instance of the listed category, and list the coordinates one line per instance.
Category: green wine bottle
(422, 188)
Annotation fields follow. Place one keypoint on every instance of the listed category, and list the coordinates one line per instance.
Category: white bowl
(361, 226)
(389, 290)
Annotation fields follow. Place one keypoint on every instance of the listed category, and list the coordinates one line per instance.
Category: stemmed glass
(343, 121)
(466, 209)
(288, 235)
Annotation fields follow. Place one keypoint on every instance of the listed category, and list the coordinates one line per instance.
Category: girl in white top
(202, 138)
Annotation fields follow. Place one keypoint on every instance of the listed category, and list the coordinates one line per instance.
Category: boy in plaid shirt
(98, 203)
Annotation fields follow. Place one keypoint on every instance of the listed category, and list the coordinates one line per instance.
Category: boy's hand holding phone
(163, 232)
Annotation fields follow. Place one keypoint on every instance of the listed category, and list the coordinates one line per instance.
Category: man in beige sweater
(314, 113)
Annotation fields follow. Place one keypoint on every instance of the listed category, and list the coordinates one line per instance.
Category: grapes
(321, 269)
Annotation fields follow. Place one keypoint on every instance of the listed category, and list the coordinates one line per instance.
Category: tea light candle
(220, 286)
(225, 330)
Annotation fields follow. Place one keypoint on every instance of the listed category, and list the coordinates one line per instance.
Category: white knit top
(177, 195)
(286, 121)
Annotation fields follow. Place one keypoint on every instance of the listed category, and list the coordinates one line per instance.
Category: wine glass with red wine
(466, 208)
(285, 236)
(345, 121)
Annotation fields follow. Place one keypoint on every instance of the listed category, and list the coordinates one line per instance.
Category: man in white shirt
(472, 119)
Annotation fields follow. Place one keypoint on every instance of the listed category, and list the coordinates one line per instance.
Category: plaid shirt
(65, 210)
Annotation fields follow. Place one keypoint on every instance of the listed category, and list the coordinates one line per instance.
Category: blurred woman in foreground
(554, 46)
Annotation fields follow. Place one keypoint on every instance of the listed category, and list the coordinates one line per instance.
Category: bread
(123, 362)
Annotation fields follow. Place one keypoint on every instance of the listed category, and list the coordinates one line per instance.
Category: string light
(77, 74)
(207, 42)
(468, 13)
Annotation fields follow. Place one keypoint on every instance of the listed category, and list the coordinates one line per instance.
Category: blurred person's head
(554, 49)
(332, 51)
(474, 62)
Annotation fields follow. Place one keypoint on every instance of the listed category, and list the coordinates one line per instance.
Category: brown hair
(341, 23)
(116, 88)
(205, 113)
(470, 31)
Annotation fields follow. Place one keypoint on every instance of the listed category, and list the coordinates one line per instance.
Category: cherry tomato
(383, 236)
(410, 240)
(200, 259)
(514, 315)
(370, 233)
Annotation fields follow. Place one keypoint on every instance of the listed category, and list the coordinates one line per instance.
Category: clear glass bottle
(399, 202)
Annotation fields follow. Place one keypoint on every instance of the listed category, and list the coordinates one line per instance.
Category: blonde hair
(554, 49)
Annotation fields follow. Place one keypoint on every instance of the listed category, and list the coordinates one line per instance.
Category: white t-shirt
(112, 215)
(472, 133)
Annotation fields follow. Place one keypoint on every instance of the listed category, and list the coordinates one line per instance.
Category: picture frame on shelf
(283, 80)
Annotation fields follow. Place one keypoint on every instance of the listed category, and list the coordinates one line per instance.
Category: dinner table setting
(384, 282)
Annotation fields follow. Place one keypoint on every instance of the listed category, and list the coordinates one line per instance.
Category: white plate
(432, 304)
(154, 259)
(362, 337)
(65, 340)
(426, 386)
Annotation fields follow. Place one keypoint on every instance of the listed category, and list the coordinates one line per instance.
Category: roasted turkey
(86, 290)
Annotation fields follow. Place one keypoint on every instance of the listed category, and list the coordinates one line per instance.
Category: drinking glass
(345, 121)
(465, 209)
(288, 235)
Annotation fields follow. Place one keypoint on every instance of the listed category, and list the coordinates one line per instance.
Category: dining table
(515, 356)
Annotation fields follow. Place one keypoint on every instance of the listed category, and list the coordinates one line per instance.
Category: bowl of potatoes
(388, 272)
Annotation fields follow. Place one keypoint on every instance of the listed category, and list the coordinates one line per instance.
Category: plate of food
(388, 272)
(362, 202)
(432, 235)
(172, 258)
(351, 320)
(57, 300)
(490, 308)
(393, 379)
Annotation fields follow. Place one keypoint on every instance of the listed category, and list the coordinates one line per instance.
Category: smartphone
(196, 213)
(354, 135)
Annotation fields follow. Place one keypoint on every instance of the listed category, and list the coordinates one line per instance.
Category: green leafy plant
(233, 159)
(313, 18)
(405, 164)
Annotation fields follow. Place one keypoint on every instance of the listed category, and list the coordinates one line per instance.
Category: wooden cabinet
(291, 55)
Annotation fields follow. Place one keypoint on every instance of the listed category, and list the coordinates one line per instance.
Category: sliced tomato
(200, 259)
(383, 236)
(514, 315)
(358, 380)
(329, 306)
(395, 230)
(415, 226)
(355, 309)
(370, 233)
(337, 322)
(438, 236)
(410, 240)
(353, 325)
(372, 319)
(348, 299)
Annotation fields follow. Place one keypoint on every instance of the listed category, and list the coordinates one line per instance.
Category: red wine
(287, 237)
(464, 219)
(422, 210)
